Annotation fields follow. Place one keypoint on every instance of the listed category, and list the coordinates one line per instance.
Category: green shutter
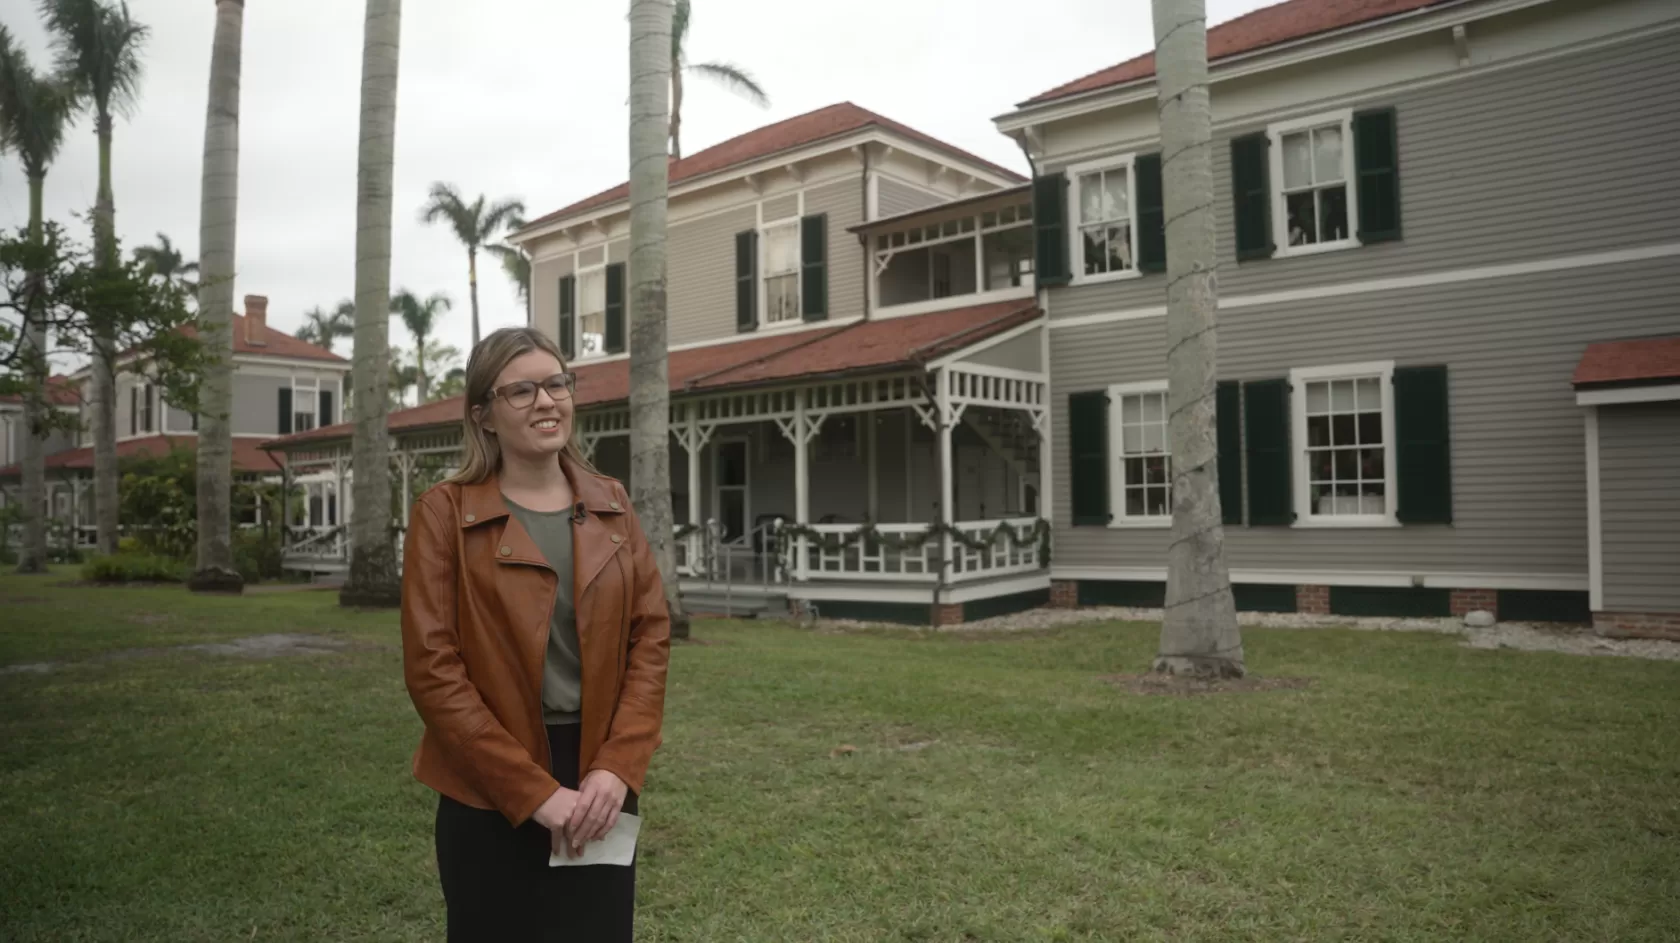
(1423, 457)
(1251, 188)
(325, 401)
(813, 274)
(1376, 162)
(1271, 500)
(614, 343)
(285, 410)
(568, 318)
(746, 280)
(1152, 215)
(134, 411)
(1088, 457)
(1050, 265)
(1229, 423)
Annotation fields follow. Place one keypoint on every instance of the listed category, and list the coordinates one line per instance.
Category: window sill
(1105, 278)
(596, 358)
(1141, 523)
(1346, 523)
(771, 327)
(1289, 252)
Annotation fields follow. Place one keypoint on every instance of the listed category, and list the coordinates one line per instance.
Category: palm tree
(454, 383)
(516, 264)
(731, 76)
(420, 317)
(373, 579)
(403, 376)
(650, 391)
(164, 261)
(1199, 634)
(98, 48)
(323, 329)
(475, 224)
(218, 218)
(34, 111)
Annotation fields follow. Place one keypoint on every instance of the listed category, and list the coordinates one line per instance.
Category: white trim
(1299, 377)
(762, 226)
(1571, 582)
(1595, 516)
(1399, 283)
(1007, 587)
(918, 593)
(791, 328)
(1629, 394)
(1118, 518)
(269, 360)
(1075, 247)
(1280, 201)
(911, 308)
(988, 344)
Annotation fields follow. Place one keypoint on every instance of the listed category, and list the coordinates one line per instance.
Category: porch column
(874, 486)
(801, 485)
(947, 514)
(285, 500)
(406, 462)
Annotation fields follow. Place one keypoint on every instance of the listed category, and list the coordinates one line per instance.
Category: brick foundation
(1659, 625)
(1064, 594)
(947, 614)
(1466, 601)
(1313, 600)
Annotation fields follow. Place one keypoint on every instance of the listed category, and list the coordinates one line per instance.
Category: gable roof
(277, 343)
(1646, 360)
(799, 131)
(1268, 26)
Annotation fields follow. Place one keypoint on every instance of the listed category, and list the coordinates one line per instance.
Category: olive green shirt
(562, 686)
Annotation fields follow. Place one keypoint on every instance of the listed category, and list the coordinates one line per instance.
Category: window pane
(592, 291)
(1297, 161)
(1134, 502)
(1155, 438)
(1131, 440)
(1341, 429)
(1154, 407)
(1370, 393)
(1332, 214)
(1302, 211)
(1346, 464)
(781, 298)
(1371, 464)
(1131, 409)
(1090, 198)
(1119, 248)
(1327, 154)
(781, 250)
(593, 328)
(1159, 501)
(1341, 395)
(1155, 470)
(1370, 428)
(1095, 251)
(1318, 397)
(1115, 199)
(1133, 471)
(1318, 431)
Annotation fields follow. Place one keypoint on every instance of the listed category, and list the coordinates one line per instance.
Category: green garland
(1038, 534)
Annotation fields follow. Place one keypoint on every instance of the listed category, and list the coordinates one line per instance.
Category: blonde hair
(482, 454)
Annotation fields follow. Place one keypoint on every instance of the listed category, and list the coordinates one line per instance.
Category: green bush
(133, 568)
(257, 557)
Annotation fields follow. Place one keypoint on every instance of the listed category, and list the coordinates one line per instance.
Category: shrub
(256, 555)
(133, 568)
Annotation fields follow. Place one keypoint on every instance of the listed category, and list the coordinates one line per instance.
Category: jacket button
(614, 506)
(617, 539)
(471, 518)
(507, 551)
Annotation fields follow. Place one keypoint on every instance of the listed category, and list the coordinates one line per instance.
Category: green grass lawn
(1416, 790)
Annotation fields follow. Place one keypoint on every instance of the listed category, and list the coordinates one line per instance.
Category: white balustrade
(872, 559)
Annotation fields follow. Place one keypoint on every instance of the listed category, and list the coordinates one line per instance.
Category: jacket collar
(483, 502)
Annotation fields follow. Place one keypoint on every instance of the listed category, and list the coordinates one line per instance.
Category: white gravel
(1524, 636)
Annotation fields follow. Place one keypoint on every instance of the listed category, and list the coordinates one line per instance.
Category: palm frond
(445, 204)
(35, 109)
(509, 213)
(97, 46)
(679, 30)
(734, 78)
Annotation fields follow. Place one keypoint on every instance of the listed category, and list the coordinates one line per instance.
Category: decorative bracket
(586, 445)
(1461, 43)
(882, 260)
(755, 183)
(1038, 417)
(813, 424)
(694, 437)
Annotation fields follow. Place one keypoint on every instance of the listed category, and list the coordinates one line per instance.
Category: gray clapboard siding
(1511, 345)
(893, 198)
(1639, 487)
(700, 287)
(780, 207)
(182, 421)
(1560, 158)
(843, 202)
(1019, 353)
(545, 293)
(256, 404)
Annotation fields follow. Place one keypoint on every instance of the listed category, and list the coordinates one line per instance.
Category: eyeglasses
(523, 394)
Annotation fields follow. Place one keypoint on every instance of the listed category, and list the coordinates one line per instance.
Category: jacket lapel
(482, 504)
(600, 533)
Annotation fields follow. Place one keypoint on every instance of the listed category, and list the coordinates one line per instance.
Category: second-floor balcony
(967, 251)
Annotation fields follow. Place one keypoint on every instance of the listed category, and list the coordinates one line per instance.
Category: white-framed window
(1343, 430)
(1314, 205)
(592, 312)
(779, 265)
(306, 397)
(1103, 198)
(1140, 454)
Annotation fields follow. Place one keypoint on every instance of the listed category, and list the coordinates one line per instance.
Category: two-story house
(280, 385)
(1431, 215)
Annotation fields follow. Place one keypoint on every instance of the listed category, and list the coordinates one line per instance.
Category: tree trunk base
(1198, 666)
(31, 565)
(216, 580)
(680, 623)
(374, 582)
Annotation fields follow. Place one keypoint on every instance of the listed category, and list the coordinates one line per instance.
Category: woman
(535, 642)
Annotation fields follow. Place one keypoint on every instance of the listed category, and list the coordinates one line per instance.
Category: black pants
(498, 887)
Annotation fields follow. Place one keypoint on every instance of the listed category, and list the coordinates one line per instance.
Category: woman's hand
(554, 814)
(600, 797)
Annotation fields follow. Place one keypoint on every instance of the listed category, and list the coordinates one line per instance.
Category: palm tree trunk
(217, 227)
(421, 382)
(650, 391)
(1199, 634)
(373, 577)
(32, 556)
(104, 380)
(676, 109)
(472, 290)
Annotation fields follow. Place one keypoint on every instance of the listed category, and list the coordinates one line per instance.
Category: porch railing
(318, 544)
(891, 553)
(1000, 556)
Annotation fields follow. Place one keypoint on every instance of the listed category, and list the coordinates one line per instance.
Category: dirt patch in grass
(1170, 686)
(276, 645)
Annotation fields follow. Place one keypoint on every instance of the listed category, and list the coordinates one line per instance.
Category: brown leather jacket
(476, 600)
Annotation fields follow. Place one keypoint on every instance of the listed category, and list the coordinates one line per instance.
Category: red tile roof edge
(1634, 362)
(248, 455)
(63, 392)
(1255, 31)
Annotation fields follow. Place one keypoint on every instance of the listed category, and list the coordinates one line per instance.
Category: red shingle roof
(800, 131)
(861, 347)
(61, 391)
(276, 343)
(248, 455)
(1636, 361)
(1269, 26)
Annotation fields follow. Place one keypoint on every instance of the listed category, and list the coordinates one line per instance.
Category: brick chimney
(256, 320)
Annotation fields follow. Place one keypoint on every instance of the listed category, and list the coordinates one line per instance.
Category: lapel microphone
(577, 513)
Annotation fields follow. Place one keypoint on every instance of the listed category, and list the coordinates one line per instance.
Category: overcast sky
(528, 99)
